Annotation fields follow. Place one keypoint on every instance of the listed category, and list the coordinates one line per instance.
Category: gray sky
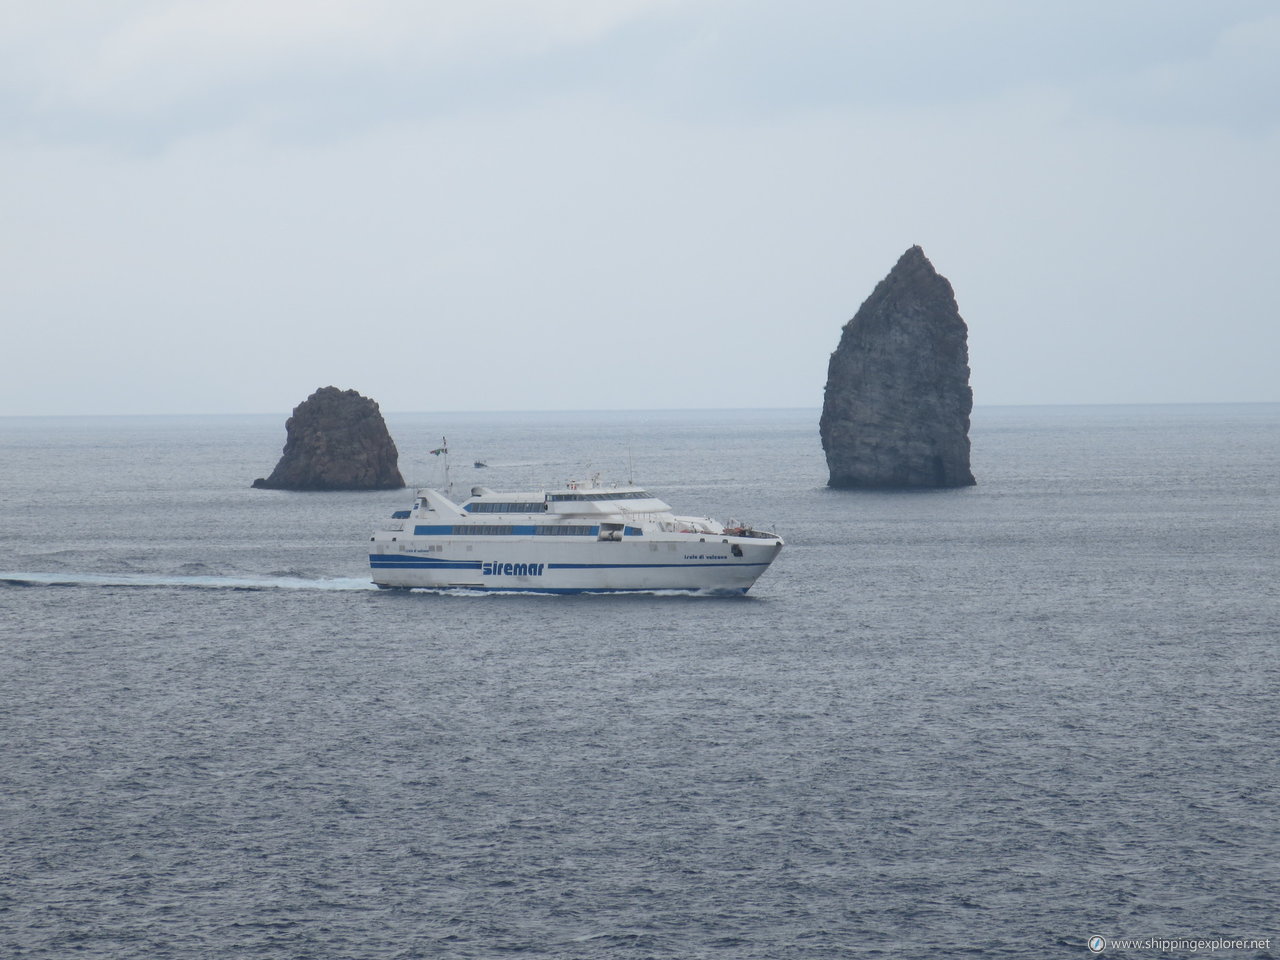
(216, 206)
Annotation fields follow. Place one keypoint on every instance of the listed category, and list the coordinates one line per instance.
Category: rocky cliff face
(897, 405)
(336, 440)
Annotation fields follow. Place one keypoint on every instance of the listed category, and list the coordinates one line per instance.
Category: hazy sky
(219, 205)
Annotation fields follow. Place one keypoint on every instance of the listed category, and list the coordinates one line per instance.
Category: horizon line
(602, 410)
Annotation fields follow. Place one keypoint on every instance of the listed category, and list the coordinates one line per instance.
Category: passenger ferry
(583, 538)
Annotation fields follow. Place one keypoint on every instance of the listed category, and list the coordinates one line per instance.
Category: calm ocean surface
(988, 722)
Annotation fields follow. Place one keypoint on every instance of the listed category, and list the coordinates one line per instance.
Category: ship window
(503, 506)
(601, 495)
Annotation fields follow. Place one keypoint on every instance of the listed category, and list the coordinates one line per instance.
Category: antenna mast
(443, 451)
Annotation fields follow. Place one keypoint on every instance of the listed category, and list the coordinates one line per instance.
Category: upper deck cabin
(573, 500)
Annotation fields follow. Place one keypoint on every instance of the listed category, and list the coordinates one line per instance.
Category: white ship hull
(692, 566)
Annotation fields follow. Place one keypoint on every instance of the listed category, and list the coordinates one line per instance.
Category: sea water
(984, 722)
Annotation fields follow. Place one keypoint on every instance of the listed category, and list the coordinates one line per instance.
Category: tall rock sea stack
(336, 440)
(896, 413)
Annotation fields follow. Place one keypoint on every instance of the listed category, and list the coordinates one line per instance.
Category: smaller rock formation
(896, 412)
(336, 440)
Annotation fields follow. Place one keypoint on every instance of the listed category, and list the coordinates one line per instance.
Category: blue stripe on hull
(710, 591)
(395, 561)
(392, 561)
(647, 566)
